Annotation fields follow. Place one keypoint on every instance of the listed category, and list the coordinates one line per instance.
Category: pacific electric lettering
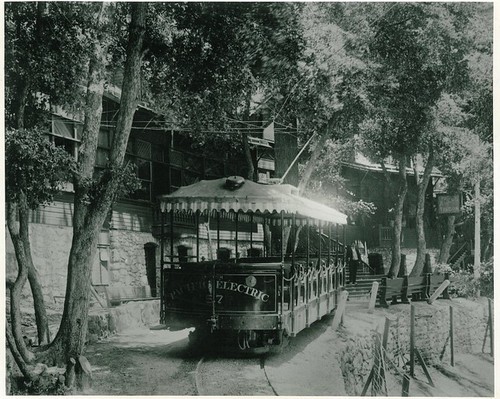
(220, 285)
(243, 289)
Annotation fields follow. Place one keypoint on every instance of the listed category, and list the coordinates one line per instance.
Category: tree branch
(415, 170)
(311, 164)
(23, 366)
(386, 174)
(22, 275)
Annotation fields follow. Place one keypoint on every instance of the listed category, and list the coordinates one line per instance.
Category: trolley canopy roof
(210, 195)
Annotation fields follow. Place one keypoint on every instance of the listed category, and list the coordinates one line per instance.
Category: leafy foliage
(332, 68)
(465, 285)
(206, 60)
(419, 55)
(46, 49)
(34, 166)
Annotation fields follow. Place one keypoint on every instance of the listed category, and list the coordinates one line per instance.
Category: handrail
(453, 258)
(368, 265)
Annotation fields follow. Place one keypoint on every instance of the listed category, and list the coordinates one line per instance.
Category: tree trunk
(70, 338)
(33, 276)
(311, 164)
(18, 358)
(23, 90)
(477, 231)
(248, 157)
(17, 234)
(285, 151)
(89, 218)
(42, 323)
(421, 191)
(444, 252)
(398, 220)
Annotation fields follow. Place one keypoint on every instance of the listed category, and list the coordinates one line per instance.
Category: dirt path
(144, 362)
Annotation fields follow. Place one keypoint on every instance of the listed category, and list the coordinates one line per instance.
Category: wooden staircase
(360, 292)
(457, 259)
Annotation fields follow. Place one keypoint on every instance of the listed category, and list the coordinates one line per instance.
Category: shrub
(466, 286)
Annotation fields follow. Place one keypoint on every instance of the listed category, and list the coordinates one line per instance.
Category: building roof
(361, 162)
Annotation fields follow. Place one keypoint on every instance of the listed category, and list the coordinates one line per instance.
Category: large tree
(329, 96)
(419, 52)
(88, 31)
(29, 52)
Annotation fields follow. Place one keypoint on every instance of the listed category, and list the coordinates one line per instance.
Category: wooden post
(452, 346)
(340, 310)
(383, 293)
(438, 292)
(319, 279)
(171, 266)
(404, 291)
(282, 221)
(406, 385)
(446, 294)
(83, 372)
(477, 229)
(368, 381)
(424, 367)
(373, 297)
(490, 312)
(427, 265)
(412, 340)
(162, 260)
(385, 338)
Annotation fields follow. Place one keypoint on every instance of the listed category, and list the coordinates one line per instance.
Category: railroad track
(230, 376)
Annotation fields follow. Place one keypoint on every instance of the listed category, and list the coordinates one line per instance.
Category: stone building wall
(50, 246)
(127, 258)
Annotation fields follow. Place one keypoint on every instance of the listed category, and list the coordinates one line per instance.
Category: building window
(67, 134)
(140, 153)
(103, 147)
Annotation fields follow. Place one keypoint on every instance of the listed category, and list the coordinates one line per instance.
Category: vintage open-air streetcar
(290, 275)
